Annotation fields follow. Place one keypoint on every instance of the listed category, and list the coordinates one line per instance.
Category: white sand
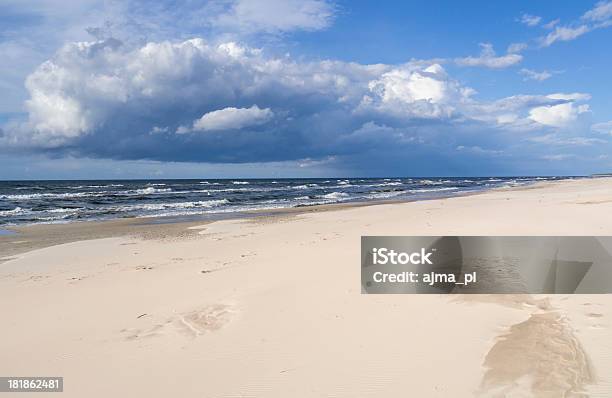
(278, 312)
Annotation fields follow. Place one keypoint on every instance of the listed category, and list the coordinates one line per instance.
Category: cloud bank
(489, 59)
(194, 100)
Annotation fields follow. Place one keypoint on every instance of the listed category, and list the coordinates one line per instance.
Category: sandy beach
(271, 306)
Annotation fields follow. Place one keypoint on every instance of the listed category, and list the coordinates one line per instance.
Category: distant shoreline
(38, 235)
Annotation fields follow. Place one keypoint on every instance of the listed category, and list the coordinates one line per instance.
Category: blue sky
(228, 88)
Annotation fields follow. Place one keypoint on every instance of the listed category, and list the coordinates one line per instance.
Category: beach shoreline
(23, 238)
(67, 201)
(271, 306)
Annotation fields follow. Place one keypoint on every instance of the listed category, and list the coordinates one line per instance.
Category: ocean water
(27, 202)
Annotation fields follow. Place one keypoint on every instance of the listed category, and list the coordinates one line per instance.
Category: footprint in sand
(192, 324)
(596, 320)
(76, 279)
(137, 334)
(37, 278)
(209, 319)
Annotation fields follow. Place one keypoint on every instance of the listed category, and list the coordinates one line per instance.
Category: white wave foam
(15, 211)
(306, 186)
(21, 211)
(335, 195)
(151, 190)
(96, 186)
(51, 195)
(63, 210)
(430, 182)
(166, 206)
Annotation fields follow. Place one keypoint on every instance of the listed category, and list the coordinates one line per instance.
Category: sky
(310, 88)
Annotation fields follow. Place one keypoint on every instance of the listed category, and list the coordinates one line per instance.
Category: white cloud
(276, 15)
(54, 115)
(408, 86)
(530, 20)
(530, 112)
(30, 31)
(231, 118)
(554, 139)
(507, 118)
(412, 91)
(603, 128)
(488, 58)
(570, 96)
(87, 87)
(371, 134)
(308, 162)
(556, 115)
(516, 48)
(107, 98)
(600, 13)
(478, 150)
(564, 33)
(533, 75)
(598, 17)
(38, 28)
(558, 157)
(560, 115)
(551, 24)
(159, 130)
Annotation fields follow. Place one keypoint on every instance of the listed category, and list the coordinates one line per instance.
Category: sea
(32, 202)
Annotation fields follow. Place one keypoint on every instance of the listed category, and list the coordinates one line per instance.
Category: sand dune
(271, 307)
